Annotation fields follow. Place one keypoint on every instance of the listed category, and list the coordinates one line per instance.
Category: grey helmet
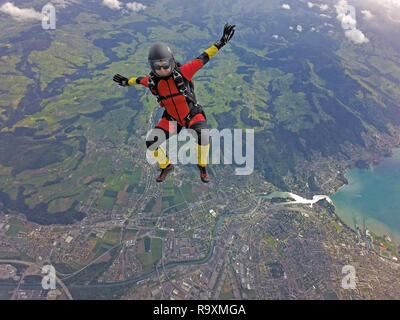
(159, 51)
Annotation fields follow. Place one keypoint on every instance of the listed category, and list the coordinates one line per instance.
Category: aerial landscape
(77, 192)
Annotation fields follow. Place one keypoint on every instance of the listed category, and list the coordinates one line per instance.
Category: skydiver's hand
(229, 30)
(121, 80)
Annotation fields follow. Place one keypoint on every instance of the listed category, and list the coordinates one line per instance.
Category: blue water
(373, 195)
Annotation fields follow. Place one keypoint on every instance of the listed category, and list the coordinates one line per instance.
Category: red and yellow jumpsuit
(176, 109)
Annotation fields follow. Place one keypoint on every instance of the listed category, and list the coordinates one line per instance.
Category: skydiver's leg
(163, 130)
(199, 125)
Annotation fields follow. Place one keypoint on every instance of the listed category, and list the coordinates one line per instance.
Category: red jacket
(177, 106)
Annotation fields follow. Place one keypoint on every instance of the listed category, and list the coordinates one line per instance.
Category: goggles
(164, 64)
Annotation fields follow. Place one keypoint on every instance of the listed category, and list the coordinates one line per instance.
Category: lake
(374, 195)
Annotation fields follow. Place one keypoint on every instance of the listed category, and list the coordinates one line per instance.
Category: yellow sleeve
(211, 51)
(132, 81)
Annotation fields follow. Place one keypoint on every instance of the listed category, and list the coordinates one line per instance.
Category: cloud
(367, 14)
(356, 36)
(135, 6)
(290, 28)
(112, 4)
(286, 6)
(275, 36)
(20, 14)
(349, 22)
(385, 13)
(299, 28)
(325, 15)
(130, 6)
(322, 7)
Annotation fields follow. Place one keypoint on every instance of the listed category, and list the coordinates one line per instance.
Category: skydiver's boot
(161, 157)
(161, 177)
(202, 153)
(203, 174)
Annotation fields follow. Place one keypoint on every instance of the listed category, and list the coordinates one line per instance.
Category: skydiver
(172, 85)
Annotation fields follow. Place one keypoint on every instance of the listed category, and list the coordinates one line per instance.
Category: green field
(168, 189)
(149, 258)
(106, 203)
(112, 236)
(161, 233)
(149, 206)
(187, 192)
(16, 226)
(102, 246)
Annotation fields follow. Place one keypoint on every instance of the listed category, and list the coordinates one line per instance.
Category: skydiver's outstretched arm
(139, 80)
(189, 69)
(123, 81)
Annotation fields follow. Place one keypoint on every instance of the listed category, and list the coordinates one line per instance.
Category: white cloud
(342, 16)
(20, 14)
(367, 14)
(385, 13)
(135, 6)
(324, 7)
(112, 4)
(325, 15)
(356, 35)
(313, 29)
(275, 36)
(286, 6)
(299, 28)
(349, 23)
(290, 28)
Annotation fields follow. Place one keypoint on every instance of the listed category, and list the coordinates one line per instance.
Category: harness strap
(170, 96)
